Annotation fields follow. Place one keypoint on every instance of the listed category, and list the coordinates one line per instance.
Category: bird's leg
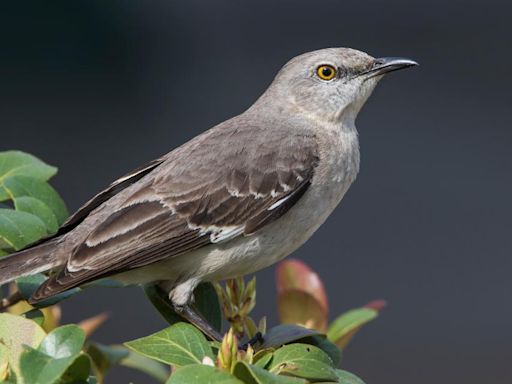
(181, 297)
(189, 314)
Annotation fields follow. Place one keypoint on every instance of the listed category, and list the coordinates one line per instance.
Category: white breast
(337, 169)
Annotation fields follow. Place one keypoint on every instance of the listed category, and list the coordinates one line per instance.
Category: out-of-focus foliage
(302, 300)
(32, 209)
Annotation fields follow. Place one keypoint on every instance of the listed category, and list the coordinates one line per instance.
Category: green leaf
(215, 345)
(345, 377)
(14, 163)
(346, 325)
(3, 252)
(325, 345)
(160, 301)
(65, 341)
(78, 372)
(16, 331)
(106, 356)
(4, 366)
(35, 315)
(58, 351)
(39, 368)
(38, 208)
(286, 333)
(206, 302)
(263, 357)
(251, 374)
(19, 229)
(23, 186)
(180, 344)
(27, 285)
(303, 360)
(37, 205)
(203, 374)
(144, 364)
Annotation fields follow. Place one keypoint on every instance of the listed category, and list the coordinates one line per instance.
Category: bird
(235, 199)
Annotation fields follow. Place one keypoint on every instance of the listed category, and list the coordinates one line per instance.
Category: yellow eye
(326, 72)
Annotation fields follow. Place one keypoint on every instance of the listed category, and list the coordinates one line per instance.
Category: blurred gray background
(98, 88)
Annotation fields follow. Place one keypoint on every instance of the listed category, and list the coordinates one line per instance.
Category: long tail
(28, 261)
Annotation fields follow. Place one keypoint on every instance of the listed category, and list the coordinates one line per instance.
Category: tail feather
(28, 262)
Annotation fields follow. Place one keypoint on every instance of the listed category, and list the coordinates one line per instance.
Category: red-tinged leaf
(362, 317)
(348, 324)
(93, 323)
(378, 305)
(299, 307)
(343, 341)
(294, 274)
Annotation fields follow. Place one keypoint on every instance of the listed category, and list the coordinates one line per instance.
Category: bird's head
(331, 84)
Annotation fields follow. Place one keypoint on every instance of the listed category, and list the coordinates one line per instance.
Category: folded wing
(210, 190)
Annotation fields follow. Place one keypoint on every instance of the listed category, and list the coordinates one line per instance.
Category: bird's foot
(258, 338)
(194, 318)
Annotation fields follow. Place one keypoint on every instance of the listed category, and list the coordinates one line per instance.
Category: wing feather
(210, 190)
(112, 190)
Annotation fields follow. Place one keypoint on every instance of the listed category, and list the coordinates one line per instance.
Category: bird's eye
(326, 72)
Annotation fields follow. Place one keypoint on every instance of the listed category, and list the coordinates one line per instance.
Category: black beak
(385, 65)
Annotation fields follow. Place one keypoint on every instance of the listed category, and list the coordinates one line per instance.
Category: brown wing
(210, 190)
(113, 189)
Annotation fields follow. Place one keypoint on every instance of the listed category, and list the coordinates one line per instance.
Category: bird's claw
(258, 338)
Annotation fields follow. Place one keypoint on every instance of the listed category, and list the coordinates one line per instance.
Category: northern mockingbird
(237, 198)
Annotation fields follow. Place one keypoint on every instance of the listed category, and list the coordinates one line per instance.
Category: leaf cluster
(194, 360)
(302, 300)
(30, 355)
(30, 208)
(289, 352)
